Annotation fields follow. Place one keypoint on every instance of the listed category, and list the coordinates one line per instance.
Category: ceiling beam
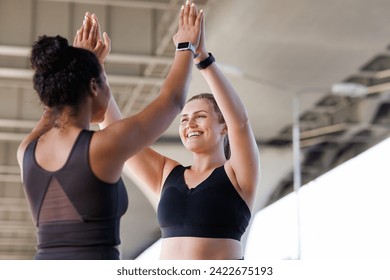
(11, 123)
(13, 201)
(14, 208)
(14, 169)
(170, 23)
(117, 58)
(12, 137)
(156, 5)
(21, 242)
(15, 73)
(10, 178)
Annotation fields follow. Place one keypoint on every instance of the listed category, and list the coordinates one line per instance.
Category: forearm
(112, 114)
(226, 96)
(176, 84)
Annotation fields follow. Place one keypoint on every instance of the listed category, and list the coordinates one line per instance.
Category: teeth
(193, 133)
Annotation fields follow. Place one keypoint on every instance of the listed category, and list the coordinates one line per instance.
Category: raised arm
(90, 37)
(134, 134)
(244, 159)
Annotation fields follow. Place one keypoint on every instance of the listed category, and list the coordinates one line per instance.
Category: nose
(191, 122)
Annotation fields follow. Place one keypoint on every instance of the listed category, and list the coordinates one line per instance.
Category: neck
(68, 117)
(208, 161)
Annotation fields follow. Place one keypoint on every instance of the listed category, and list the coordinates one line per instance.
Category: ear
(93, 87)
(224, 129)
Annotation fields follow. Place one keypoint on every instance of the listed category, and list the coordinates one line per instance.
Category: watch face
(184, 45)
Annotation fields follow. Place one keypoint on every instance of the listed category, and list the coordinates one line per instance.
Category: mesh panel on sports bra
(56, 205)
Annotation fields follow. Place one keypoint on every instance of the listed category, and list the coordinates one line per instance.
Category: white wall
(344, 215)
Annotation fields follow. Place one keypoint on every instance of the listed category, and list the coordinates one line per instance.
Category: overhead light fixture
(358, 90)
(349, 89)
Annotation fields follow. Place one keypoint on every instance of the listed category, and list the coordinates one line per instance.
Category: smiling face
(200, 128)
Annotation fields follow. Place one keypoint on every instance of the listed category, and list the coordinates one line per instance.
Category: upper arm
(129, 141)
(150, 168)
(244, 159)
(20, 153)
(126, 137)
(22, 149)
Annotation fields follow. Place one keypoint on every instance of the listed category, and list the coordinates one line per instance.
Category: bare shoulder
(22, 148)
(169, 165)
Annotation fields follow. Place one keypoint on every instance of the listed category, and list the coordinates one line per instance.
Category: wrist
(186, 46)
(203, 64)
(201, 56)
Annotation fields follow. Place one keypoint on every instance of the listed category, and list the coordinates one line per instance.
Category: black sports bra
(212, 209)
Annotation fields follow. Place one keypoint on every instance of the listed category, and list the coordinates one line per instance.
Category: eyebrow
(197, 112)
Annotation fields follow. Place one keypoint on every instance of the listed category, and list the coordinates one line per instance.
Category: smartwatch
(184, 46)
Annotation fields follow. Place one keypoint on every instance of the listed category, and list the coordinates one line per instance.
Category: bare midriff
(199, 248)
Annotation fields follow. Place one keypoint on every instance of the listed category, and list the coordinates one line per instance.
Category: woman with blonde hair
(205, 208)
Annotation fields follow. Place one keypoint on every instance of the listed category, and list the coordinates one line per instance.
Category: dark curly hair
(62, 72)
(210, 98)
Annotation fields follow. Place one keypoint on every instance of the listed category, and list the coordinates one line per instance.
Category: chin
(192, 147)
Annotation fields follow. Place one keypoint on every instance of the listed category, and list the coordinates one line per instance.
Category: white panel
(343, 215)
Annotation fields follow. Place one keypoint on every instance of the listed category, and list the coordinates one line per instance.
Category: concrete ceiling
(270, 50)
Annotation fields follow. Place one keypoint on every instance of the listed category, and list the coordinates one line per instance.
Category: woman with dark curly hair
(71, 174)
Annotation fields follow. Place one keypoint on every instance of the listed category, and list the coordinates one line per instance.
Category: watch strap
(206, 62)
(184, 46)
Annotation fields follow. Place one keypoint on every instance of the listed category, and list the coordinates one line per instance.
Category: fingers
(106, 46)
(181, 16)
(186, 12)
(199, 22)
(192, 14)
(98, 48)
(107, 41)
(79, 36)
(96, 22)
(189, 24)
(75, 39)
(87, 24)
(93, 31)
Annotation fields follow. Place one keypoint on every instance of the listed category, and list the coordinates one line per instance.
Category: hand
(201, 49)
(189, 25)
(89, 37)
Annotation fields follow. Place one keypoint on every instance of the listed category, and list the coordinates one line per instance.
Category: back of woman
(77, 214)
